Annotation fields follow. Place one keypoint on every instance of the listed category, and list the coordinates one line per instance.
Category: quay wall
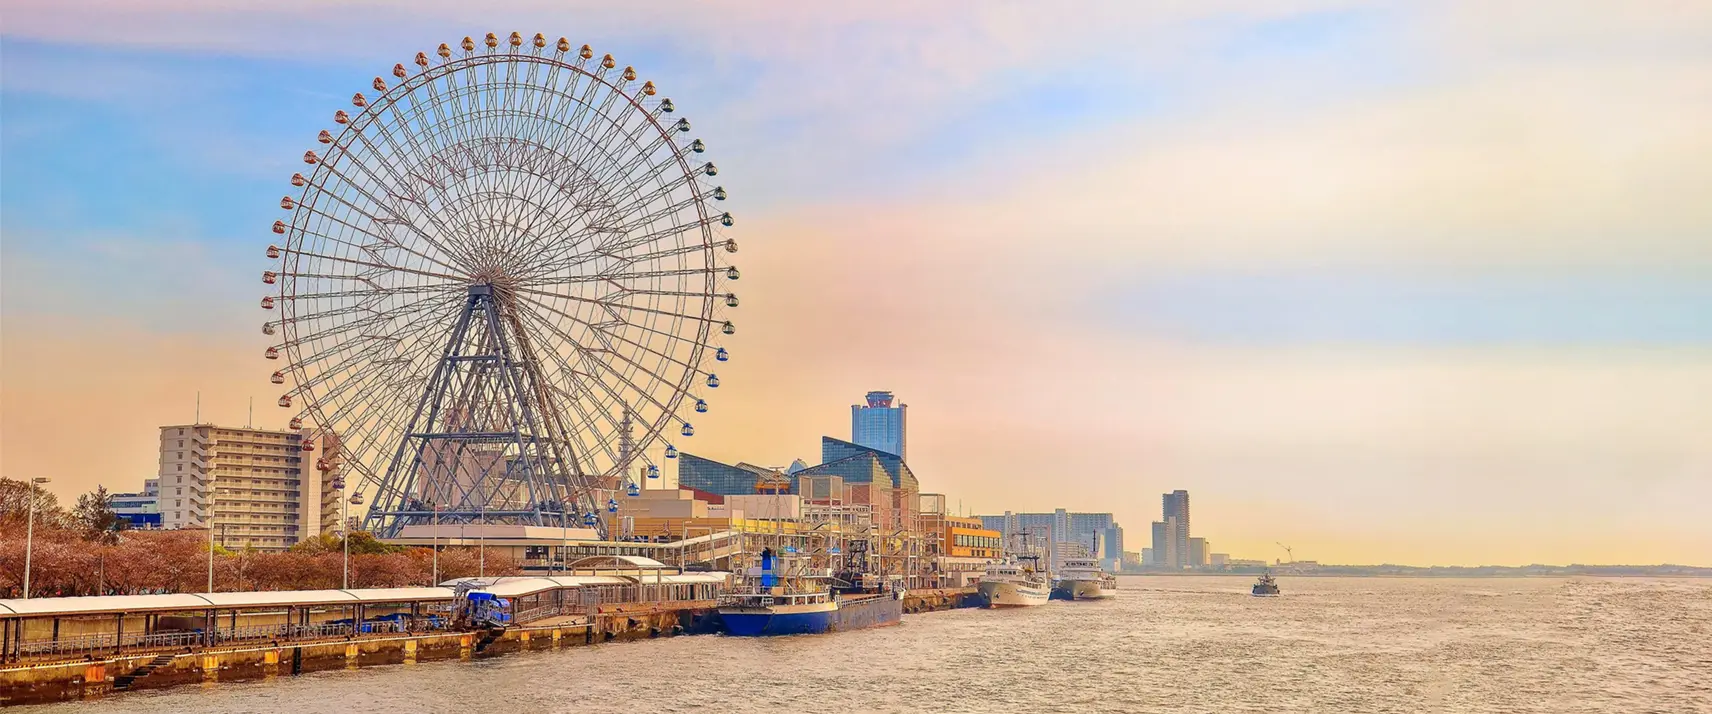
(919, 601)
(40, 682)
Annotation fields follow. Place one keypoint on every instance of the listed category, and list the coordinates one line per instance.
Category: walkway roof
(117, 604)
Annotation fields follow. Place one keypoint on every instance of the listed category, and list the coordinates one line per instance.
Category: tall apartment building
(1176, 506)
(1165, 553)
(879, 425)
(256, 488)
(1198, 552)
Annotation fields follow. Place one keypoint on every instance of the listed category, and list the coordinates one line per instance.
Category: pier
(60, 649)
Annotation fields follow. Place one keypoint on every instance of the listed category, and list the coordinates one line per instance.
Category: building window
(181, 467)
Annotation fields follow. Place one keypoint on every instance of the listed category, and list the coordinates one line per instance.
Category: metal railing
(167, 640)
(66, 645)
(536, 613)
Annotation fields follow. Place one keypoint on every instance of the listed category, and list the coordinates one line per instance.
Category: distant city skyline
(1387, 283)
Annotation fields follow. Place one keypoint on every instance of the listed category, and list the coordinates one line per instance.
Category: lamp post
(30, 530)
(345, 528)
(209, 521)
(436, 536)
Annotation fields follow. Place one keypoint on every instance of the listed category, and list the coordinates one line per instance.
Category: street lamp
(30, 530)
(436, 575)
(345, 528)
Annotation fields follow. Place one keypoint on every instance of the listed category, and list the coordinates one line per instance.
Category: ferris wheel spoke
(309, 207)
(380, 266)
(618, 374)
(397, 187)
(608, 276)
(582, 379)
(343, 347)
(396, 218)
(607, 304)
(604, 334)
(618, 249)
(337, 294)
(576, 404)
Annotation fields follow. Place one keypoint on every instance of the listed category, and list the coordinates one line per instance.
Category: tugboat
(797, 604)
(1266, 586)
(1082, 579)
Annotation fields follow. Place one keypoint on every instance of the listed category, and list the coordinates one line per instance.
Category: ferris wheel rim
(437, 299)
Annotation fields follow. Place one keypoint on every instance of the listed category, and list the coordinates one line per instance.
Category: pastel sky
(1389, 282)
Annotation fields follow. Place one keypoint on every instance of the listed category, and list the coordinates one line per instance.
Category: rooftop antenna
(251, 424)
(199, 411)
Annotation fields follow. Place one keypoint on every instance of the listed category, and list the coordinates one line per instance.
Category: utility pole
(209, 521)
(30, 530)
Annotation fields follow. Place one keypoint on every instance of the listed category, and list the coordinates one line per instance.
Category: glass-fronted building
(839, 458)
(880, 425)
(714, 477)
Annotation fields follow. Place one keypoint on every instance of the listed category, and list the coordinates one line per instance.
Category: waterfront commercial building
(257, 488)
(704, 474)
(958, 548)
(880, 425)
(1219, 560)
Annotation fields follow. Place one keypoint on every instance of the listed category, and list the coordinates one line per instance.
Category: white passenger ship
(1016, 583)
(1082, 579)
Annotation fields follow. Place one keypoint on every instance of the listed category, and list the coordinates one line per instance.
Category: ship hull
(1004, 594)
(850, 613)
(1083, 590)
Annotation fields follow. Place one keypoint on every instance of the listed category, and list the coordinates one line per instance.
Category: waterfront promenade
(59, 649)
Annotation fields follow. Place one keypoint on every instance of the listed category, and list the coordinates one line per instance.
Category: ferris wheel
(500, 284)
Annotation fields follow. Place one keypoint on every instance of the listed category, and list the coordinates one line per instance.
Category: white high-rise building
(257, 488)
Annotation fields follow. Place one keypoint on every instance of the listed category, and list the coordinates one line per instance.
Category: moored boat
(775, 604)
(1082, 579)
(1014, 584)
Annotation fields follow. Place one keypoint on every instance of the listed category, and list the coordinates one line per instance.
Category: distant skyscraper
(1197, 552)
(1177, 507)
(1165, 543)
(879, 424)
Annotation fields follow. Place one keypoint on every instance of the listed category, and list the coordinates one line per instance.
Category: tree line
(89, 550)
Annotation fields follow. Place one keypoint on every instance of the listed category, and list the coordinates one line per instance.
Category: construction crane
(1287, 552)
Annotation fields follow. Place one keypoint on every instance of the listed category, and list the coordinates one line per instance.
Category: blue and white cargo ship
(775, 604)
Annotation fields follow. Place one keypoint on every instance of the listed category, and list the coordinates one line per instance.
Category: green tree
(94, 514)
(362, 543)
